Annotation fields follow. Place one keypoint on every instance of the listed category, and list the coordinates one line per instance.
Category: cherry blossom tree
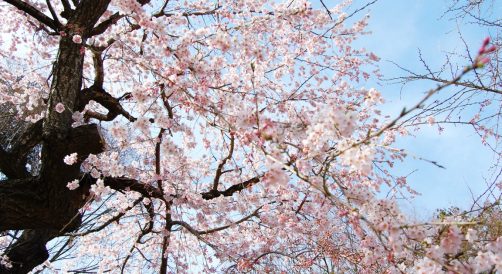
(209, 136)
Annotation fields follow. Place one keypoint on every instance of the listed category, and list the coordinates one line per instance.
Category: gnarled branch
(106, 100)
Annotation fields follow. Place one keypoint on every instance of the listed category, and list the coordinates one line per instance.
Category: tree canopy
(167, 136)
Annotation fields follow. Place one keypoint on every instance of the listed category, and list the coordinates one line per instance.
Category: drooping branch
(144, 231)
(35, 13)
(405, 111)
(198, 233)
(108, 222)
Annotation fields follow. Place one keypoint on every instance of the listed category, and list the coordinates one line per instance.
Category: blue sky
(398, 29)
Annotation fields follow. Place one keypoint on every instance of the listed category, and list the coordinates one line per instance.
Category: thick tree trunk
(43, 206)
(39, 202)
(58, 142)
(22, 205)
(61, 201)
(66, 83)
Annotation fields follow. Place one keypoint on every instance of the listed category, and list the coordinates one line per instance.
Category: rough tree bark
(43, 206)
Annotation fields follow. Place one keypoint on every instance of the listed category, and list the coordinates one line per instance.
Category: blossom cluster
(249, 142)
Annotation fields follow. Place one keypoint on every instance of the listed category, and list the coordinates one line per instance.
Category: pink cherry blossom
(431, 120)
(77, 39)
(225, 136)
(73, 185)
(59, 108)
(70, 159)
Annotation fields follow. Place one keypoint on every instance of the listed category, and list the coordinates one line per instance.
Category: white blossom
(73, 185)
(70, 159)
(77, 39)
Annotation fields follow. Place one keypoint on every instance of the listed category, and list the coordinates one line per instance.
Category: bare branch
(161, 10)
(405, 111)
(105, 224)
(327, 10)
(458, 83)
